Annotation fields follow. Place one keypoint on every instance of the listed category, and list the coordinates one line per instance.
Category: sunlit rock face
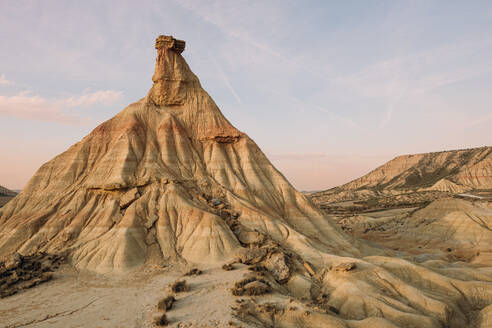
(138, 188)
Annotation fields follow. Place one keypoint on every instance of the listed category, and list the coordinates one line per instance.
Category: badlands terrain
(167, 215)
(423, 204)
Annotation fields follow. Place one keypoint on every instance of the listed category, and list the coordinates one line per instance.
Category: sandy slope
(121, 301)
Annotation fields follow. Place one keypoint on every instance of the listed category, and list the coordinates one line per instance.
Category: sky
(329, 90)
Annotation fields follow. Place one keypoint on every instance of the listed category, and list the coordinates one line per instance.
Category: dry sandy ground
(88, 300)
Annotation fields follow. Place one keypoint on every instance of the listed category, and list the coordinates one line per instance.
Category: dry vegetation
(166, 303)
(228, 267)
(251, 286)
(19, 272)
(180, 286)
(161, 320)
(193, 272)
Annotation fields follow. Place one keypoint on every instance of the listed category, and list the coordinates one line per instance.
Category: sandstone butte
(169, 181)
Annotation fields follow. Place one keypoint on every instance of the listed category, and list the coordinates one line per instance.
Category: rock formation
(170, 181)
(138, 188)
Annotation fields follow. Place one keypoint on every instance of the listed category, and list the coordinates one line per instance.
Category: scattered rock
(250, 237)
(19, 272)
(150, 221)
(344, 267)
(251, 255)
(13, 261)
(277, 265)
(128, 197)
(309, 268)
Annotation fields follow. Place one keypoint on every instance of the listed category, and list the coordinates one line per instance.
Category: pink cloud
(4, 81)
(105, 97)
(34, 107)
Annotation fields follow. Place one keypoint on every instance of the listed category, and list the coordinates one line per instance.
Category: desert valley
(167, 215)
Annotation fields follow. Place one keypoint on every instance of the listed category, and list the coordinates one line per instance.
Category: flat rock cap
(167, 41)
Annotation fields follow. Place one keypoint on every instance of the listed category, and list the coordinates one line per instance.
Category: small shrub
(166, 303)
(251, 286)
(257, 268)
(194, 272)
(180, 286)
(227, 267)
(161, 320)
(344, 267)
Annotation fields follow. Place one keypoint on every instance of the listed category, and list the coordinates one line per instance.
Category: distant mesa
(6, 195)
(470, 168)
(6, 192)
(447, 171)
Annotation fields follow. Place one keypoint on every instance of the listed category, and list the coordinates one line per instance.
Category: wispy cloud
(333, 116)
(4, 81)
(229, 20)
(346, 121)
(226, 80)
(479, 120)
(105, 97)
(34, 107)
(395, 79)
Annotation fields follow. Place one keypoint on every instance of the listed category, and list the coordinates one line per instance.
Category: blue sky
(328, 89)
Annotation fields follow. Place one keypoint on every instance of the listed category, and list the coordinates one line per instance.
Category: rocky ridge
(469, 168)
(6, 192)
(6, 195)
